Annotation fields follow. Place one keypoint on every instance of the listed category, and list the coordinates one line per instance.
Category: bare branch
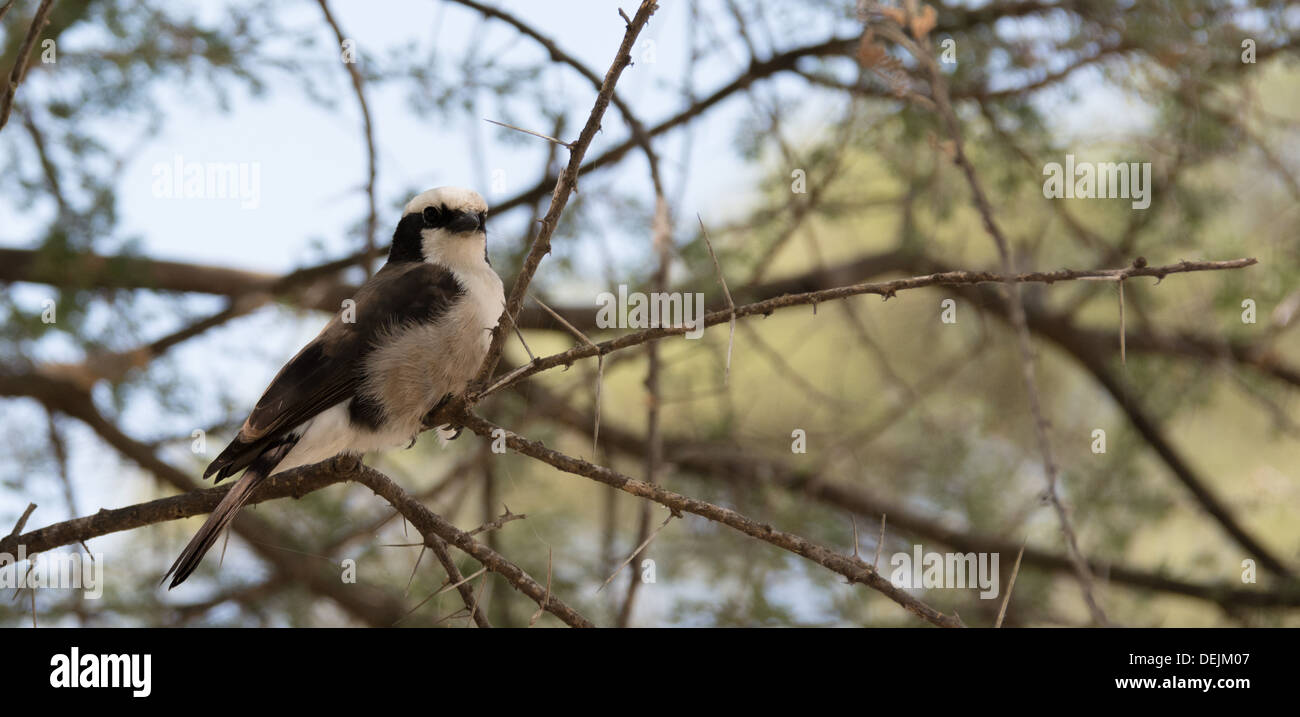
(635, 553)
(453, 574)
(939, 90)
(358, 86)
(855, 570)
(431, 524)
(885, 289)
(19, 70)
(1011, 584)
(563, 188)
(562, 143)
(731, 305)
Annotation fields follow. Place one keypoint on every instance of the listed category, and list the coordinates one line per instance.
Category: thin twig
(856, 570)
(22, 520)
(1123, 357)
(430, 523)
(445, 587)
(880, 542)
(533, 620)
(1017, 310)
(562, 143)
(854, 519)
(600, 371)
(885, 289)
(1011, 584)
(563, 188)
(415, 569)
(358, 86)
(500, 521)
(731, 305)
(19, 70)
(634, 553)
(515, 326)
(453, 574)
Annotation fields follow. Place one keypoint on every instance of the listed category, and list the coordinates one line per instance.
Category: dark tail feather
(203, 540)
(225, 512)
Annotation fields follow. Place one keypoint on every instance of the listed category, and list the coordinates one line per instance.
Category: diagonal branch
(1050, 468)
(439, 548)
(19, 70)
(853, 569)
(431, 526)
(732, 463)
(563, 188)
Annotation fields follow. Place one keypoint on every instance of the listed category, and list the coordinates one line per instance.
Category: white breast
(483, 301)
(418, 364)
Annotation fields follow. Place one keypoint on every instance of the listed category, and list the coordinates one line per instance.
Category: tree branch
(885, 289)
(563, 188)
(734, 463)
(853, 569)
(19, 70)
(431, 524)
(358, 86)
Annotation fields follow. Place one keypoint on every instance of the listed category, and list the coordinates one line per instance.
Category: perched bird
(415, 337)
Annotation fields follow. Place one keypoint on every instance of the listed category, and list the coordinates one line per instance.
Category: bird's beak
(464, 222)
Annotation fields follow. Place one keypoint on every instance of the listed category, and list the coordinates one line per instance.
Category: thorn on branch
(22, 520)
(673, 513)
(875, 563)
(541, 606)
(562, 143)
(854, 519)
(1011, 584)
(1123, 359)
(731, 305)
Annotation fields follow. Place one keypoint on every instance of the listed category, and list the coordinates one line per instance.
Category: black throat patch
(407, 242)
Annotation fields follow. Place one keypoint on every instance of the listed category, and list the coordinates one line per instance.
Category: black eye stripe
(435, 217)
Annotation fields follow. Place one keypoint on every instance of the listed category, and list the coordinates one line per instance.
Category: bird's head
(446, 225)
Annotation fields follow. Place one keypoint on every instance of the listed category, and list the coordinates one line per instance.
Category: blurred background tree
(814, 155)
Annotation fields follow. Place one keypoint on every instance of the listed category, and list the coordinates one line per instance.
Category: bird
(415, 337)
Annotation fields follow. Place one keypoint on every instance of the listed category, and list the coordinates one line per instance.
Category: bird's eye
(482, 220)
(432, 217)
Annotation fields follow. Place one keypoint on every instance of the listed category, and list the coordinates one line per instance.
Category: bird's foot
(347, 462)
(430, 419)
